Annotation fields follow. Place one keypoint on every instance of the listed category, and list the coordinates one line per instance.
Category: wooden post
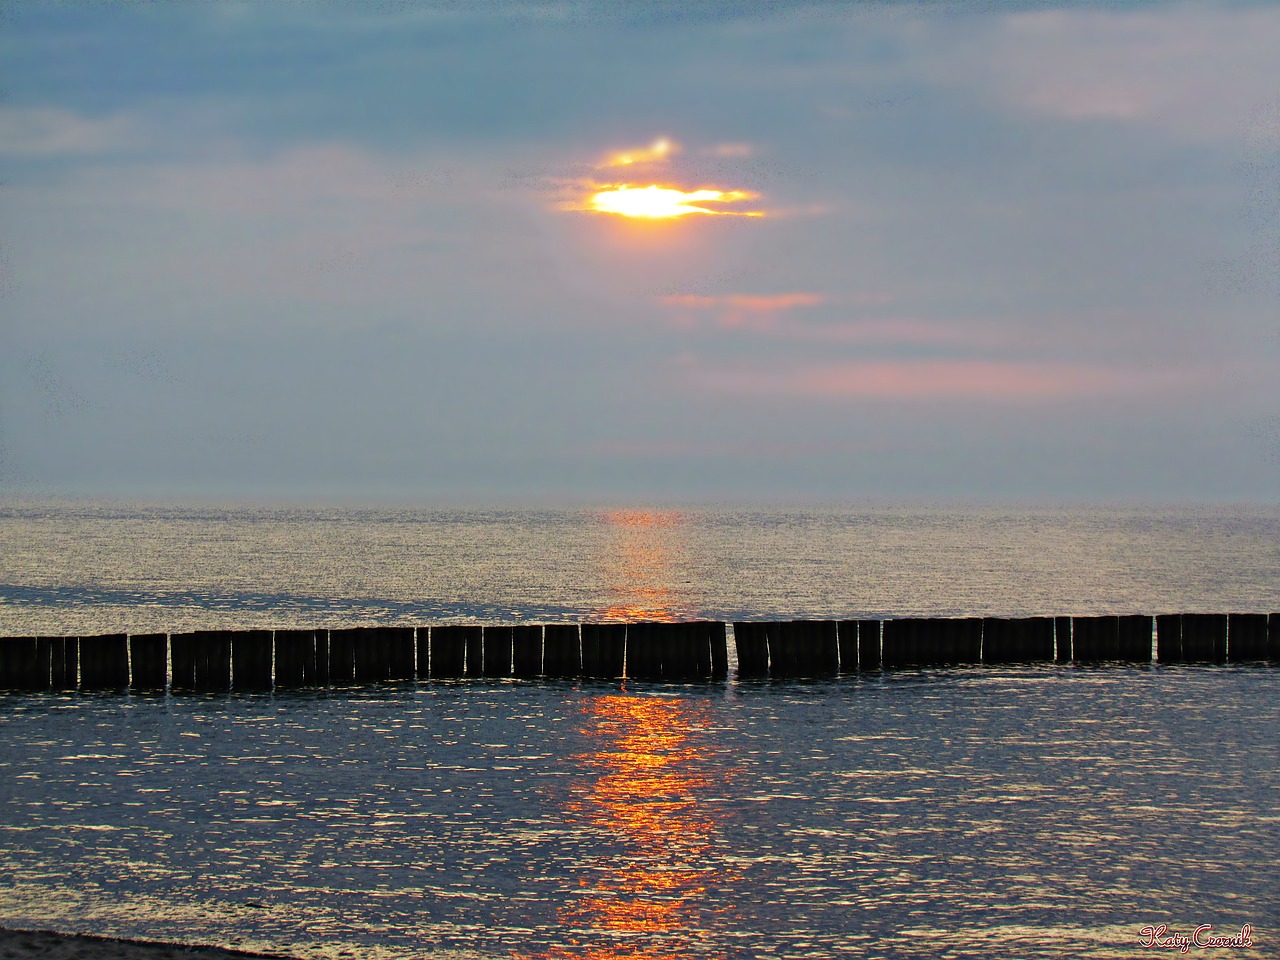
(899, 645)
(342, 656)
(677, 654)
(561, 650)
(718, 648)
(847, 645)
(182, 661)
(371, 655)
(498, 643)
(213, 661)
(149, 661)
(526, 650)
(1019, 640)
(753, 649)
(603, 650)
(1273, 637)
(448, 651)
(200, 660)
(1246, 636)
(104, 662)
(295, 655)
(1135, 639)
(400, 652)
(251, 652)
(813, 647)
(870, 655)
(782, 650)
(1204, 637)
(1169, 638)
(19, 669)
(644, 651)
(963, 640)
(474, 641)
(1095, 639)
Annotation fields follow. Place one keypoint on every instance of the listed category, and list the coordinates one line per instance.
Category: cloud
(750, 311)
(937, 379)
(49, 131)
(1202, 72)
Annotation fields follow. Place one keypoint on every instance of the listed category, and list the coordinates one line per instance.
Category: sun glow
(659, 203)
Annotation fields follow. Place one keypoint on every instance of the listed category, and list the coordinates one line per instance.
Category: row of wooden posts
(694, 651)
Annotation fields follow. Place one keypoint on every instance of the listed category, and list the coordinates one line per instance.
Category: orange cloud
(656, 152)
(744, 310)
(962, 379)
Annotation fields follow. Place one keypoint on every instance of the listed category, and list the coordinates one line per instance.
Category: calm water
(1016, 812)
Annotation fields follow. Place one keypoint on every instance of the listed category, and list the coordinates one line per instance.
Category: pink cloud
(998, 380)
(744, 310)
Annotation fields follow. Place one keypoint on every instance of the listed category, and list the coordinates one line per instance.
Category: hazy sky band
(1009, 251)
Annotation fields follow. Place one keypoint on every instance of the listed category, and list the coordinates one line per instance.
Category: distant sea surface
(1015, 812)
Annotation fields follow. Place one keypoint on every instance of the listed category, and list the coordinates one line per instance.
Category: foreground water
(984, 812)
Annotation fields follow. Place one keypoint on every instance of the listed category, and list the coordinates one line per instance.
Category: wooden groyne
(264, 660)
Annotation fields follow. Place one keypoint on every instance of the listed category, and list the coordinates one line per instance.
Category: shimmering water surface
(982, 812)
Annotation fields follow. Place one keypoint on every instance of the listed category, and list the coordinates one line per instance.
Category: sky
(982, 251)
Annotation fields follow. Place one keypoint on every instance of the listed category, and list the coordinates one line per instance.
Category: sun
(662, 203)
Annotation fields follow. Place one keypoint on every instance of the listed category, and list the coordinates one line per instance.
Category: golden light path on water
(643, 783)
(638, 567)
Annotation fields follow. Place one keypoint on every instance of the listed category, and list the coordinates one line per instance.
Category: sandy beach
(23, 944)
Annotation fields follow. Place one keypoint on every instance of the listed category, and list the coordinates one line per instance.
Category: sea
(1109, 811)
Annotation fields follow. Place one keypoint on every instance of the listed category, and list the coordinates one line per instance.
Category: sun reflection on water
(639, 567)
(644, 785)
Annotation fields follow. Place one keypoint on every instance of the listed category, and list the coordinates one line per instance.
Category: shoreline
(22, 944)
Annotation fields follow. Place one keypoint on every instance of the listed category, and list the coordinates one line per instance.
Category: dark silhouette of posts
(1246, 636)
(64, 662)
(804, 648)
(526, 650)
(400, 653)
(342, 656)
(200, 660)
(604, 650)
(251, 659)
(104, 662)
(932, 641)
(717, 640)
(497, 651)
(644, 651)
(753, 649)
(1062, 639)
(19, 664)
(474, 640)
(1169, 638)
(847, 645)
(1204, 637)
(1273, 637)
(1095, 639)
(149, 661)
(561, 650)
(870, 655)
(1021, 640)
(685, 654)
(1134, 638)
(295, 654)
(449, 650)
